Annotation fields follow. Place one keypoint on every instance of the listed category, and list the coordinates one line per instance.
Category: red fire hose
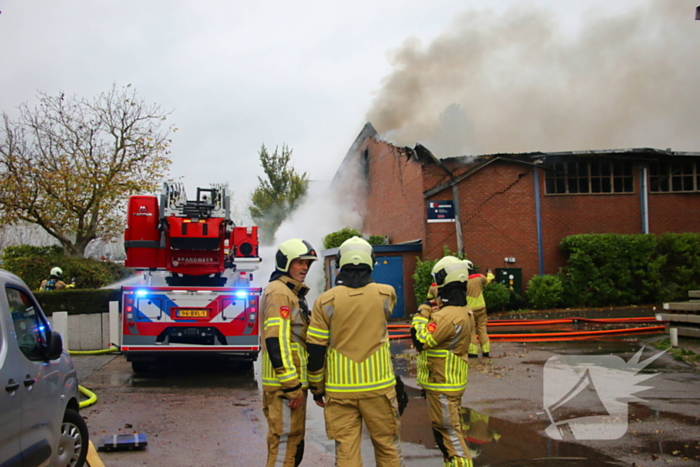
(394, 329)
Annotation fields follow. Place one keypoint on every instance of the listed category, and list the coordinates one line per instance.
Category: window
(590, 177)
(674, 176)
(30, 327)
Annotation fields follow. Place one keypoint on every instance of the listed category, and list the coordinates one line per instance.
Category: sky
(307, 74)
(460, 77)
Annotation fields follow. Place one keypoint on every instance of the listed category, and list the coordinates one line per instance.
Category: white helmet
(450, 269)
(355, 251)
(291, 250)
(58, 272)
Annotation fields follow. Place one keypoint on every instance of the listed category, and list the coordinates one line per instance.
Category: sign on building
(441, 211)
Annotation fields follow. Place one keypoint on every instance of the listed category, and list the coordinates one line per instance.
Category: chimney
(697, 13)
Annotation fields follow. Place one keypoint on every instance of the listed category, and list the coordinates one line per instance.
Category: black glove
(401, 395)
(416, 343)
(319, 397)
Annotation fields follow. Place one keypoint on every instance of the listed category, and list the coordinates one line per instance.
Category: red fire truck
(195, 296)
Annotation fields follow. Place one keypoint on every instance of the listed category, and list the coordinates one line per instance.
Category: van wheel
(74, 441)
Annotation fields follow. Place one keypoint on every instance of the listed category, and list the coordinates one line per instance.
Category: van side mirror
(55, 345)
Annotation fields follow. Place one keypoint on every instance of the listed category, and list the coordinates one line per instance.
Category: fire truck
(196, 266)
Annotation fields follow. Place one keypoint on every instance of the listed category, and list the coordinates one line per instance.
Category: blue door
(389, 270)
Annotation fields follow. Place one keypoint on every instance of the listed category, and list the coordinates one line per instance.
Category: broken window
(589, 177)
(674, 176)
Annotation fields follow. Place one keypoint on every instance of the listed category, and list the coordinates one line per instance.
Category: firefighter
(55, 280)
(475, 299)
(442, 340)
(285, 320)
(350, 369)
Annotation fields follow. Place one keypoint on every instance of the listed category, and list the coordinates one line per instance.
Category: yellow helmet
(450, 269)
(355, 251)
(295, 248)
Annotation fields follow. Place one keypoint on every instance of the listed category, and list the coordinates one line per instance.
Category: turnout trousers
(447, 428)
(285, 432)
(480, 320)
(344, 425)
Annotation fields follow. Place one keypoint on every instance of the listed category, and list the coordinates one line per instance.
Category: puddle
(496, 442)
(652, 435)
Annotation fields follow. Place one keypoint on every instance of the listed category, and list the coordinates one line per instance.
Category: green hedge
(76, 301)
(33, 264)
(614, 270)
(678, 258)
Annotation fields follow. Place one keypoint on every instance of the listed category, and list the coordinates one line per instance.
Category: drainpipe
(458, 222)
(644, 198)
(538, 215)
(455, 197)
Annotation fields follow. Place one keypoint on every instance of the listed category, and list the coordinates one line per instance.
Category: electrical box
(511, 278)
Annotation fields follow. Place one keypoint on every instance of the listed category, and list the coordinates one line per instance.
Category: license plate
(201, 313)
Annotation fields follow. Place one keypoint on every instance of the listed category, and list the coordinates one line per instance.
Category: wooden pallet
(692, 306)
(684, 316)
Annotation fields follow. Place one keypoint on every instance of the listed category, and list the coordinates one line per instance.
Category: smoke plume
(517, 82)
(326, 208)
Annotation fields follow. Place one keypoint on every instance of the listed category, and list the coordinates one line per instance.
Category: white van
(39, 420)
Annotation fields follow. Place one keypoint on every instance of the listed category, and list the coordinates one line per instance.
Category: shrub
(678, 263)
(610, 269)
(33, 264)
(377, 240)
(422, 278)
(497, 296)
(76, 301)
(545, 291)
(335, 239)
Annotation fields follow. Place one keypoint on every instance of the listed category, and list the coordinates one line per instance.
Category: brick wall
(394, 194)
(671, 212)
(498, 210)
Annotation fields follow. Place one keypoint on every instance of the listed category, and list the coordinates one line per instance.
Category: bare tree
(69, 164)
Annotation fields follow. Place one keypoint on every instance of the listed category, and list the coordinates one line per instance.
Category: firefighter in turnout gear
(285, 320)
(475, 299)
(55, 280)
(442, 340)
(350, 369)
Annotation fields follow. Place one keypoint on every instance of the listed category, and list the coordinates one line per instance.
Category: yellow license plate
(192, 313)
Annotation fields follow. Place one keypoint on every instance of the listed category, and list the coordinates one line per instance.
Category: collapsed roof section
(468, 165)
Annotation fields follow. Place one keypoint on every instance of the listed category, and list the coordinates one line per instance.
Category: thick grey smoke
(517, 82)
(326, 208)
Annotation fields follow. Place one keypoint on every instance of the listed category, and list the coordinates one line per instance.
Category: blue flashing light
(241, 294)
(41, 328)
(141, 293)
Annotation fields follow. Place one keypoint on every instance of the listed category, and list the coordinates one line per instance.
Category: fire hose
(91, 396)
(397, 331)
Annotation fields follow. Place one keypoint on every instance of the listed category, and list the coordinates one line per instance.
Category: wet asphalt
(208, 413)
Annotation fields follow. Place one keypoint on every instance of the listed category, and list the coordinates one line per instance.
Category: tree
(70, 164)
(278, 195)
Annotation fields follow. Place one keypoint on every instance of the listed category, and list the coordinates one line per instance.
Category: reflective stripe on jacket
(352, 324)
(442, 364)
(282, 319)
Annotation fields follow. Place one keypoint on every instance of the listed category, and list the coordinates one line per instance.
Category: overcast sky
(309, 74)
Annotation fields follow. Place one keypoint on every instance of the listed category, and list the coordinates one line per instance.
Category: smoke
(326, 208)
(517, 82)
